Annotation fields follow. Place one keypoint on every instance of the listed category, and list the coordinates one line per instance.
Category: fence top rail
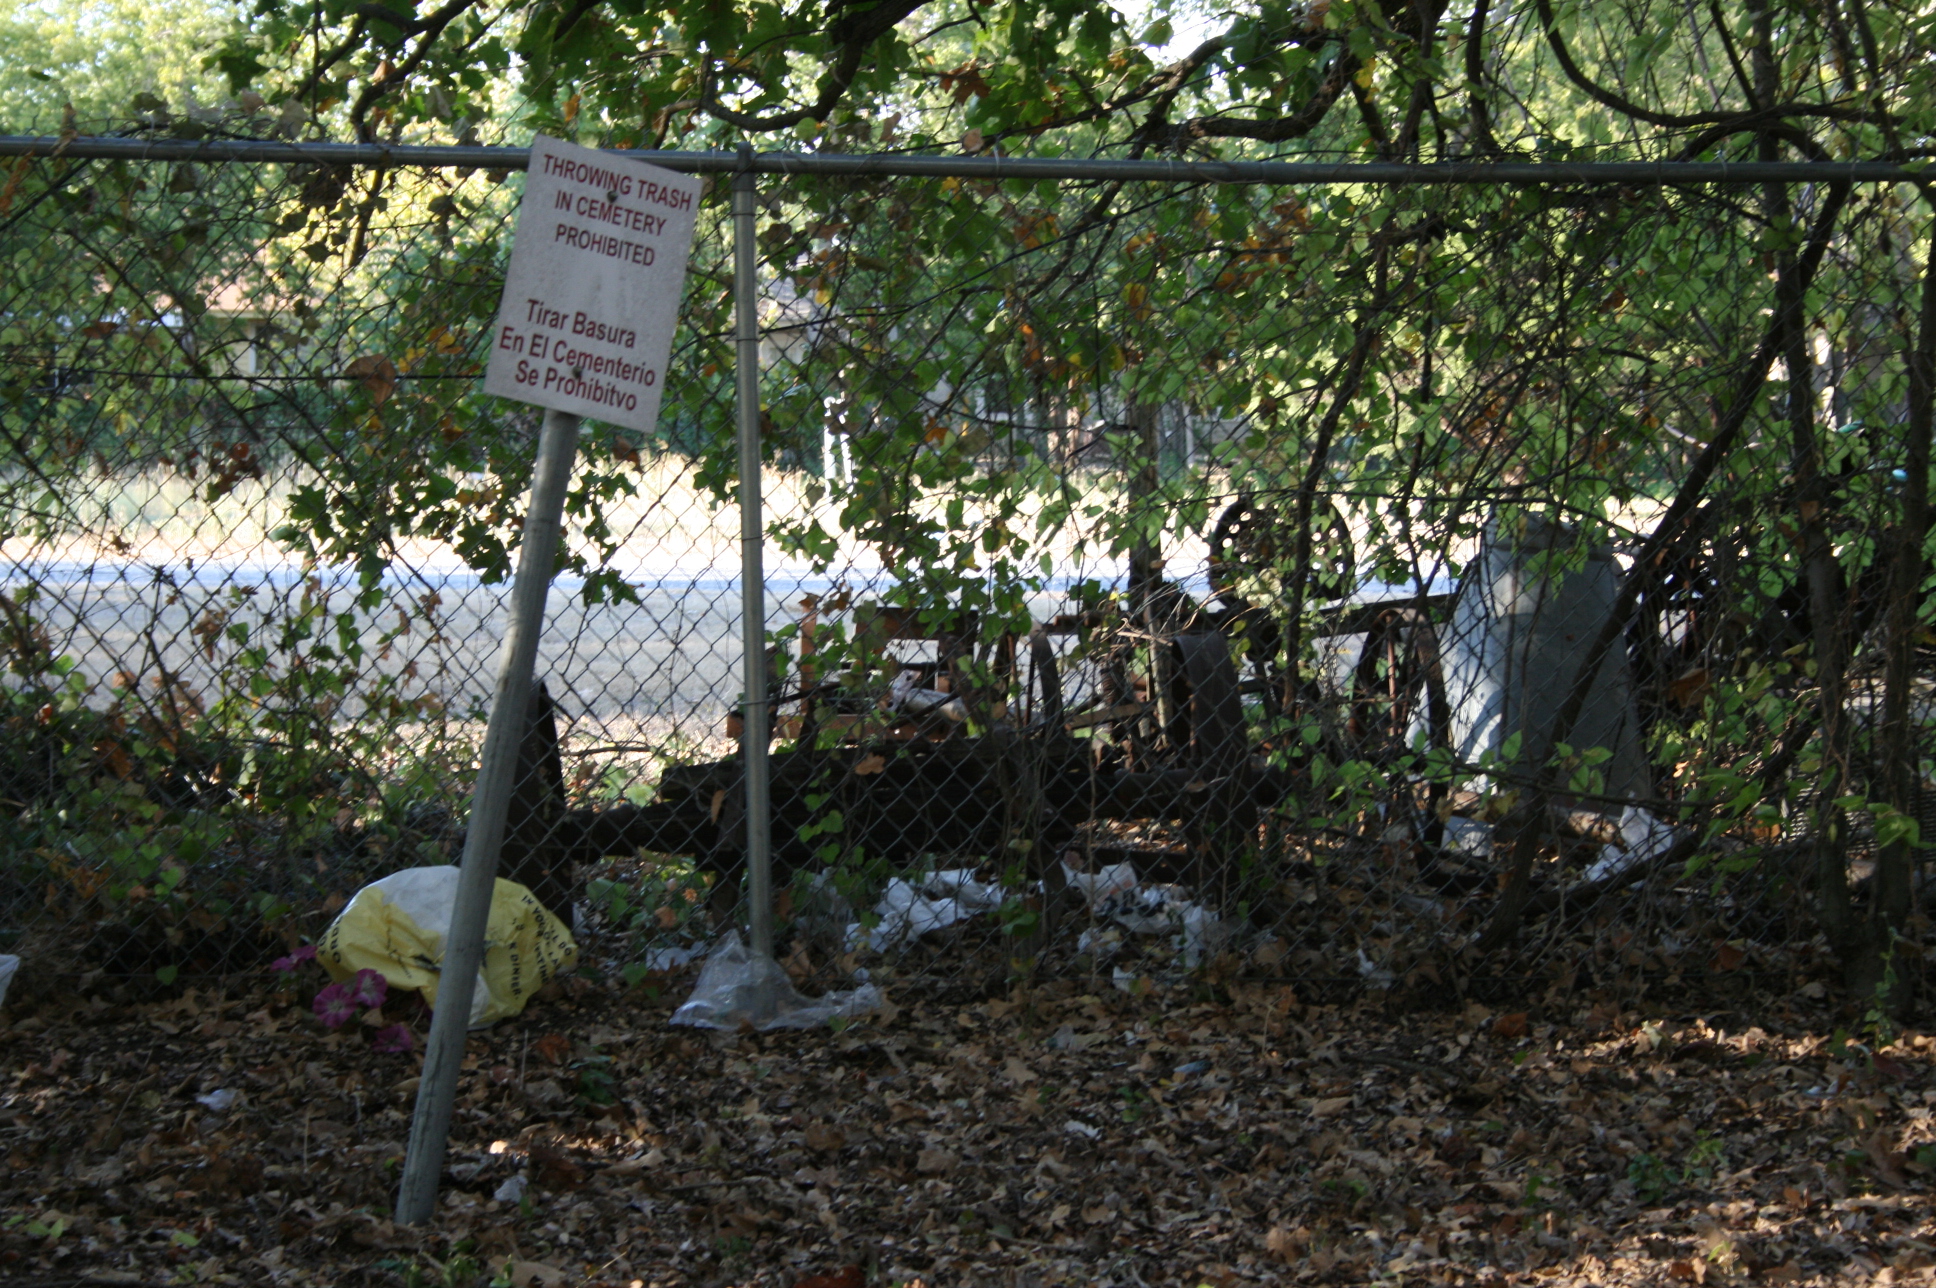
(400, 156)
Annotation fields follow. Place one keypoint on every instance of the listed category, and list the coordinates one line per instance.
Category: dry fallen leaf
(1690, 688)
(845, 1277)
(552, 1167)
(377, 374)
(1283, 1243)
(1305, 1113)
(935, 1160)
(1880, 1147)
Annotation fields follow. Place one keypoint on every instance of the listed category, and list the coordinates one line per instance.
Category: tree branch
(1475, 77)
(336, 55)
(1896, 863)
(1728, 46)
(432, 27)
(1660, 551)
(1374, 123)
(382, 13)
(853, 32)
(1171, 84)
(571, 18)
(1761, 124)
(1607, 98)
(1284, 128)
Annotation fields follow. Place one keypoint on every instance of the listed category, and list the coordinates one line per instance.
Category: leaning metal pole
(752, 573)
(484, 836)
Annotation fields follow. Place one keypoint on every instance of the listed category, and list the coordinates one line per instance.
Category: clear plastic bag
(737, 987)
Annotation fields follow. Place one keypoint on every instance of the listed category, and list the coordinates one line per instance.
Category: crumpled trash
(1148, 910)
(909, 909)
(1117, 878)
(1469, 836)
(907, 694)
(9, 964)
(1114, 893)
(1203, 933)
(1643, 836)
(736, 987)
(1103, 942)
(512, 1191)
(396, 927)
(674, 956)
(221, 1100)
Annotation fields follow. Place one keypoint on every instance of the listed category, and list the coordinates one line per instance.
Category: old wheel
(1253, 546)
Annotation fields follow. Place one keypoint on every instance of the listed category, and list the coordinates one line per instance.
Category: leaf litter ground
(1067, 1136)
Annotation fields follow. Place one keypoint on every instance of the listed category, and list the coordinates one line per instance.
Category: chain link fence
(1172, 585)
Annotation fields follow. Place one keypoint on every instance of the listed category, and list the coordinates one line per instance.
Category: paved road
(660, 673)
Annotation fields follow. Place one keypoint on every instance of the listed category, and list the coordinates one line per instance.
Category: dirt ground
(1055, 1137)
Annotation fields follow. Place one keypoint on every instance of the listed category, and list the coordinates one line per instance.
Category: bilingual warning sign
(592, 295)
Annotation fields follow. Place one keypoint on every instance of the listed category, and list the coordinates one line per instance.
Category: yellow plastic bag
(396, 927)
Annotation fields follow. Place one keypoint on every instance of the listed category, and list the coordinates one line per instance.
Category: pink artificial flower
(394, 1038)
(369, 988)
(287, 965)
(335, 1006)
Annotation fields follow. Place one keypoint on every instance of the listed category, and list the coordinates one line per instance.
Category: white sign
(592, 295)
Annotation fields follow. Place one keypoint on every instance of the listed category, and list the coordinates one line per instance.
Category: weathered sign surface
(592, 295)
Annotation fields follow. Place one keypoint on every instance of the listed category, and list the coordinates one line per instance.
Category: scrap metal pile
(1145, 739)
(935, 742)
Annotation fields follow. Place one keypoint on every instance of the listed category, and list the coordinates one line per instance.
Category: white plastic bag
(1643, 836)
(909, 910)
(1468, 836)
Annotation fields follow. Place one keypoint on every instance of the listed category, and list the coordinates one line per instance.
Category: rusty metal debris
(963, 746)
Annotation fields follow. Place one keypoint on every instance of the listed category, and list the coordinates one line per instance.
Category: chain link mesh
(1171, 586)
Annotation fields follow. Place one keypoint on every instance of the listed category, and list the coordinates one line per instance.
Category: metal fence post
(752, 575)
(484, 837)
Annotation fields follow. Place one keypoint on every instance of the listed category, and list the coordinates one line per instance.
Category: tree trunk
(1901, 780)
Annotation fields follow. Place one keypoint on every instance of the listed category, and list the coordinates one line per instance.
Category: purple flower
(335, 1007)
(287, 965)
(369, 988)
(394, 1038)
